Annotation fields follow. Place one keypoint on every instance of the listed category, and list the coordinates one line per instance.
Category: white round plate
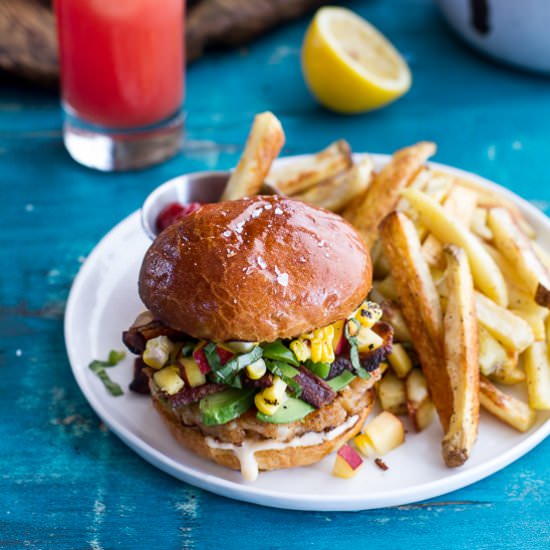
(104, 301)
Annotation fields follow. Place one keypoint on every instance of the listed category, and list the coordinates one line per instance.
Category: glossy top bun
(255, 269)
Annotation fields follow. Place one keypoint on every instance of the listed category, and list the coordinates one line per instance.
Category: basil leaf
(112, 387)
(277, 351)
(187, 349)
(115, 357)
(98, 367)
(226, 373)
(212, 356)
(354, 351)
(287, 374)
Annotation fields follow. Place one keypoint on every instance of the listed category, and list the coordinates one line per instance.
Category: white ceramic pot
(516, 31)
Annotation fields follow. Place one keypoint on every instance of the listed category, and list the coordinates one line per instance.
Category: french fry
(386, 287)
(488, 198)
(542, 255)
(491, 353)
(508, 372)
(487, 276)
(380, 267)
(510, 410)
(335, 192)
(535, 320)
(420, 407)
(391, 392)
(302, 174)
(537, 370)
(509, 329)
(264, 143)
(507, 270)
(383, 193)
(438, 185)
(461, 358)
(459, 203)
(517, 248)
(421, 308)
(479, 224)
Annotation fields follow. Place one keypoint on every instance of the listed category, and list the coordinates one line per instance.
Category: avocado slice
(295, 409)
(292, 409)
(341, 381)
(222, 407)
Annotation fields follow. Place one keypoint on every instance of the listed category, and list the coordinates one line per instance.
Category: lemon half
(349, 66)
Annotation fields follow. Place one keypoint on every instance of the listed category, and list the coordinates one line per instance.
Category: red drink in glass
(122, 77)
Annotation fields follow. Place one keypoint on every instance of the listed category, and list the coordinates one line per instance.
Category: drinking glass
(122, 80)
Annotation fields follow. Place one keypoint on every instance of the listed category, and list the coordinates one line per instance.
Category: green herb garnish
(99, 367)
(226, 374)
(286, 373)
(354, 351)
(187, 349)
(212, 356)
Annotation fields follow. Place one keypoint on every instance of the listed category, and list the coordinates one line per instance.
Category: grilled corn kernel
(157, 352)
(368, 314)
(367, 340)
(301, 350)
(169, 380)
(328, 352)
(321, 345)
(263, 406)
(316, 350)
(269, 400)
(256, 370)
(276, 391)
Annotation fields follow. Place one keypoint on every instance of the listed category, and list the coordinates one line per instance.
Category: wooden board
(28, 46)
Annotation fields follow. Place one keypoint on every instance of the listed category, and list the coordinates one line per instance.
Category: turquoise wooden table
(65, 480)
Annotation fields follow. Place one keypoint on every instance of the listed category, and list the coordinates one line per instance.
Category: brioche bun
(255, 269)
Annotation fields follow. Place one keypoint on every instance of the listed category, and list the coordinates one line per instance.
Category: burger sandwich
(258, 345)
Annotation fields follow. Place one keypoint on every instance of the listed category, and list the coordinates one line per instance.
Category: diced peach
(391, 392)
(400, 361)
(338, 338)
(347, 462)
(224, 354)
(381, 435)
(192, 372)
(419, 405)
(200, 357)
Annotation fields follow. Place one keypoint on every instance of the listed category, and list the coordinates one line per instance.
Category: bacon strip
(189, 395)
(315, 390)
(136, 336)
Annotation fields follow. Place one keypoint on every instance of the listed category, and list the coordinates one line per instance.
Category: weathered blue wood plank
(65, 481)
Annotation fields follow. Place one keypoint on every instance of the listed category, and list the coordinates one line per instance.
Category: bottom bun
(268, 459)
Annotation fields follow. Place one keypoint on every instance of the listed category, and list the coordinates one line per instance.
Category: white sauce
(245, 452)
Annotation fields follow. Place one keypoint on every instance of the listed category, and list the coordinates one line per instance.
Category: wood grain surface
(28, 46)
(65, 480)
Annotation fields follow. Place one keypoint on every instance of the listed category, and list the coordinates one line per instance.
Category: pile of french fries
(457, 272)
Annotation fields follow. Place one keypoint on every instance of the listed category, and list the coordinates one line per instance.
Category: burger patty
(349, 402)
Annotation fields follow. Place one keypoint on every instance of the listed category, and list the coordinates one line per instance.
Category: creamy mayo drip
(245, 452)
